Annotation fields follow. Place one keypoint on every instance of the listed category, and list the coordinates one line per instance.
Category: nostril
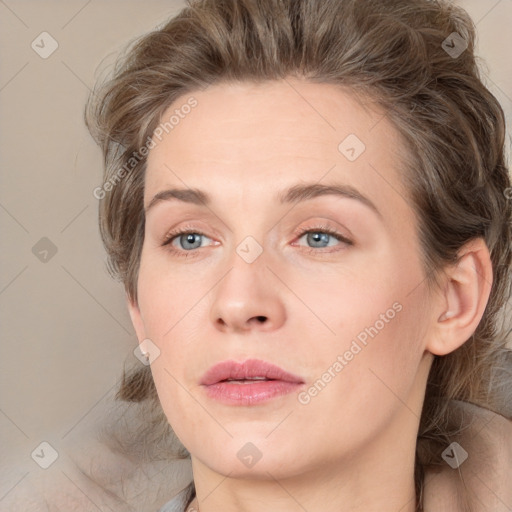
(261, 318)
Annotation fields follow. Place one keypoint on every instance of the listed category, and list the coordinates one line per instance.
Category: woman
(308, 205)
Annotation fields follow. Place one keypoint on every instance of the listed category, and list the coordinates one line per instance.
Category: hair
(391, 51)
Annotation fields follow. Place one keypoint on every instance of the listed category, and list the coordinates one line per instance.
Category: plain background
(64, 325)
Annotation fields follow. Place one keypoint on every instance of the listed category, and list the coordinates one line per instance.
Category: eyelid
(190, 227)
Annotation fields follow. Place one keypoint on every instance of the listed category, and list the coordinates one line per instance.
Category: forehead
(246, 138)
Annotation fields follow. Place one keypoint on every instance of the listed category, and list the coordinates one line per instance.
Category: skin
(351, 448)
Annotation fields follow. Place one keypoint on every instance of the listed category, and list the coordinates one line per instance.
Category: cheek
(173, 314)
(167, 298)
(366, 373)
(370, 331)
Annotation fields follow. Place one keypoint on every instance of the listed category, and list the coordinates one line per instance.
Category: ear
(136, 316)
(463, 299)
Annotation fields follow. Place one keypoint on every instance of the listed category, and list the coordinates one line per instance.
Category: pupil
(319, 237)
(190, 240)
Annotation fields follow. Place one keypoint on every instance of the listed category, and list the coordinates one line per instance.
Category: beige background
(64, 326)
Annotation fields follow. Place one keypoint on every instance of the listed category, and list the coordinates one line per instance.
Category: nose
(249, 297)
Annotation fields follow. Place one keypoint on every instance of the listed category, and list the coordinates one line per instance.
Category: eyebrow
(293, 195)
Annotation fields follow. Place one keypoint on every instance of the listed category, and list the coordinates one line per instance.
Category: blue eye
(320, 236)
(185, 238)
(188, 238)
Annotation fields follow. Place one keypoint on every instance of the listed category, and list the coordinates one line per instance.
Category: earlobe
(462, 303)
(136, 317)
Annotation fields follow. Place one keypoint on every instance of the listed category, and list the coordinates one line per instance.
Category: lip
(246, 392)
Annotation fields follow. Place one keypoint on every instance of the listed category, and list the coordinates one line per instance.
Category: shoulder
(485, 471)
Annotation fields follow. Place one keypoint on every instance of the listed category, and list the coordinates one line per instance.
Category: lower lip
(250, 392)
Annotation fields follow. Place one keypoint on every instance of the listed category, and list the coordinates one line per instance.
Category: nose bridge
(249, 246)
(247, 268)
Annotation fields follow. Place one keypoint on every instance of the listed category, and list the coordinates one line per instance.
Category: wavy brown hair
(395, 52)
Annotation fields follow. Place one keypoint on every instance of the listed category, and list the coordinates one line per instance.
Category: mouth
(248, 371)
(248, 383)
(247, 380)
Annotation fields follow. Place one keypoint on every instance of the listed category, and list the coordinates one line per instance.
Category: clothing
(487, 470)
(178, 503)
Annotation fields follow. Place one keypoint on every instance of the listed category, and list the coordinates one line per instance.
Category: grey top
(178, 503)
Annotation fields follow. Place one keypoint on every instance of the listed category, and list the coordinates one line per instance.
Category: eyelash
(298, 234)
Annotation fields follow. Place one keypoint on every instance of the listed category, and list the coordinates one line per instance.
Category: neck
(359, 483)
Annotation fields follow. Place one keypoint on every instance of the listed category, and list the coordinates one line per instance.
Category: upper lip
(248, 369)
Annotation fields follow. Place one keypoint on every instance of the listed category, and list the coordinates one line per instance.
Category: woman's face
(347, 314)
